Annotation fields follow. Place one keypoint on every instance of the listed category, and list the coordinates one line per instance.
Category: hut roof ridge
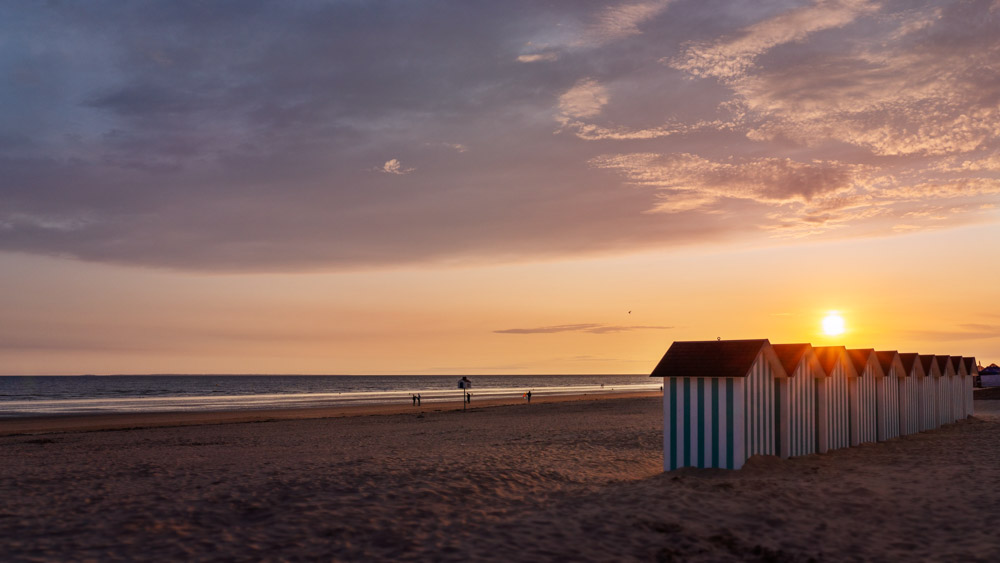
(928, 363)
(829, 356)
(908, 360)
(790, 355)
(885, 358)
(859, 357)
(711, 358)
(942, 362)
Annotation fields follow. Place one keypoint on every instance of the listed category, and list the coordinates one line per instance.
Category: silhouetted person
(414, 399)
(529, 397)
(418, 399)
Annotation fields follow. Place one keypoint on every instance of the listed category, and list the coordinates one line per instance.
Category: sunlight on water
(173, 400)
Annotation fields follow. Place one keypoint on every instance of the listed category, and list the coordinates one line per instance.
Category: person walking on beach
(528, 395)
(418, 399)
(414, 397)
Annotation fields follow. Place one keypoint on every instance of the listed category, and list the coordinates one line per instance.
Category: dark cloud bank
(265, 136)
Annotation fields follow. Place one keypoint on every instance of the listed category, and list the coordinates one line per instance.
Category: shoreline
(49, 424)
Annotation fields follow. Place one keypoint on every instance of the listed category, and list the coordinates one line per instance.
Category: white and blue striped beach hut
(833, 398)
(718, 402)
(868, 399)
(947, 372)
(932, 374)
(798, 419)
(958, 388)
(915, 374)
(971, 371)
(908, 393)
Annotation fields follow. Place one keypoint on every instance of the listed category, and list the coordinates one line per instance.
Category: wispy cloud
(962, 332)
(688, 181)
(537, 57)
(593, 328)
(623, 20)
(732, 57)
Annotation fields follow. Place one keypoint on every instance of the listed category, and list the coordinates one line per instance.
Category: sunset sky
(372, 187)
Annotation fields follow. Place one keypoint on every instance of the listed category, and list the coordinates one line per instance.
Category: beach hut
(929, 392)
(833, 397)
(908, 401)
(718, 402)
(915, 374)
(958, 388)
(972, 371)
(798, 420)
(870, 413)
(944, 389)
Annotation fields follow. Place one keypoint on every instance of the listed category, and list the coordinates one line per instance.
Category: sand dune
(575, 480)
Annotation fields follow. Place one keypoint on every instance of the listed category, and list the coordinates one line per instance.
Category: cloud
(537, 57)
(165, 146)
(686, 177)
(584, 99)
(586, 29)
(732, 57)
(592, 328)
(623, 20)
(919, 91)
(393, 166)
(962, 332)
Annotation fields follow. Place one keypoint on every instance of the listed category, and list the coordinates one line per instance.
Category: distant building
(989, 376)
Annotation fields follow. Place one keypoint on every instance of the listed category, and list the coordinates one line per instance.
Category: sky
(379, 187)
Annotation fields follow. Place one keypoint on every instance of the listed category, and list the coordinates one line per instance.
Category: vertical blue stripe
(687, 422)
(701, 422)
(748, 397)
(715, 418)
(673, 423)
(730, 433)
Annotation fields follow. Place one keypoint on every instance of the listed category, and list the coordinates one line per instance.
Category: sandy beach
(568, 480)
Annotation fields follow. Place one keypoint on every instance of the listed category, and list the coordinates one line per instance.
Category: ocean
(22, 396)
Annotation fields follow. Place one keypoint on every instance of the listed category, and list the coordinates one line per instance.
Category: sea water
(60, 395)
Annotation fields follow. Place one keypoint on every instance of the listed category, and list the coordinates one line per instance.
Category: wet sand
(571, 480)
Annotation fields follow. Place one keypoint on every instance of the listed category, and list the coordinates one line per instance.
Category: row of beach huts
(727, 400)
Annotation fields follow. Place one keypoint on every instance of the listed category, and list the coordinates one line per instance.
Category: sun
(833, 324)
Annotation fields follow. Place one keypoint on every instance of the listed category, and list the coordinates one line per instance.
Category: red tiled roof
(709, 358)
